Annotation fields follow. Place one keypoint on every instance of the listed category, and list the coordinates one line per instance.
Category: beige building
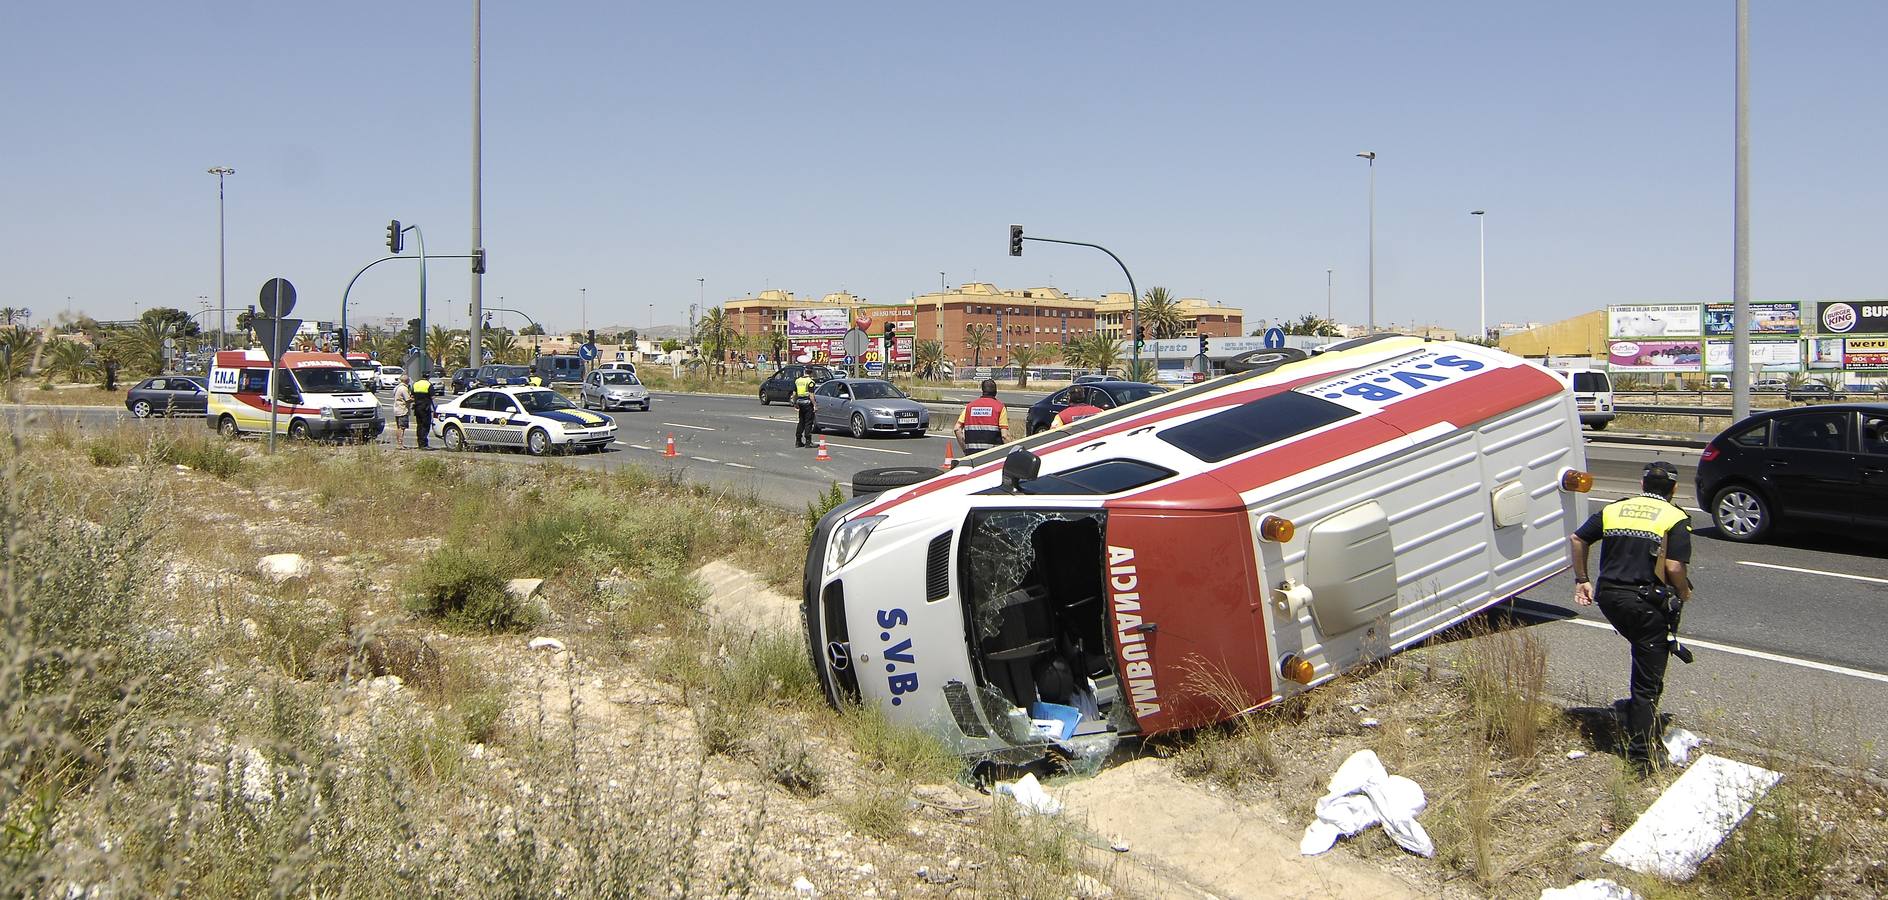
(1582, 335)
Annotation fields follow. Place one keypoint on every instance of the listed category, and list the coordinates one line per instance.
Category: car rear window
(1249, 426)
(1590, 382)
(1757, 435)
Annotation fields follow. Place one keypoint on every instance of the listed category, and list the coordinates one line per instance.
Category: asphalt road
(1789, 650)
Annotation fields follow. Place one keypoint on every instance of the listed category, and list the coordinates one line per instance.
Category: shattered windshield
(1012, 556)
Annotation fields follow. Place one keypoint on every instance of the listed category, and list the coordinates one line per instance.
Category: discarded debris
(1688, 822)
(1678, 746)
(1576, 754)
(1028, 794)
(280, 567)
(1362, 793)
(1590, 889)
(547, 643)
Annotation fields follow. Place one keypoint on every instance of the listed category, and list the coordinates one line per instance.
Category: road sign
(170, 343)
(278, 298)
(277, 340)
(587, 352)
(1274, 338)
(856, 344)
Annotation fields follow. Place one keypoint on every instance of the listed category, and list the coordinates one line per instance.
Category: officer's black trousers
(1644, 627)
(803, 435)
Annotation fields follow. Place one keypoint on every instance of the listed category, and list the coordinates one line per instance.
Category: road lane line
(1735, 651)
(770, 418)
(706, 459)
(738, 465)
(641, 447)
(873, 449)
(696, 427)
(1866, 578)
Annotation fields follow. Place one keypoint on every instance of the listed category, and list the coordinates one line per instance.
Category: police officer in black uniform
(1643, 580)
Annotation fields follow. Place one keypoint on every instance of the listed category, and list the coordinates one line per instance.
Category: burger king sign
(1853, 317)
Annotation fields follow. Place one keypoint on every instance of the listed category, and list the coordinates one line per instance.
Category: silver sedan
(608, 389)
(865, 406)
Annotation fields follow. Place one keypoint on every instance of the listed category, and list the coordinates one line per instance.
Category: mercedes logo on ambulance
(839, 655)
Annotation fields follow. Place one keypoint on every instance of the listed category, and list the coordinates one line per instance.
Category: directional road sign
(1274, 338)
(587, 352)
(278, 298)
(277, 340)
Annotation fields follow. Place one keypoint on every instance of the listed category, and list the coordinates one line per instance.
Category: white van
(319, 396)
(1200, 553)
(1593, 392)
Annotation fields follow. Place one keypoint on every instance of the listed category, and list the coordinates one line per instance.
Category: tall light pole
(583, 311)
(943, 287)
(474, 346)
(1740, 241)
(222, 304)
(1370, 158)
(1328, 311)
(1481, 221)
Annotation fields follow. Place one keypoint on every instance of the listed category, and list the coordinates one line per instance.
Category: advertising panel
(1676, 319)
(1866, 353)
(1765, 356)
(1765, 318)
(818, 322)
(1656, 356)
(1825, 353)
(1852, 316)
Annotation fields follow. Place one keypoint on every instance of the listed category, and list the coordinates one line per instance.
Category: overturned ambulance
(1201, 553)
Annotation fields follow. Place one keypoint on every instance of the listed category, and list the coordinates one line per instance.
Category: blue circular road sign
(1274, 338)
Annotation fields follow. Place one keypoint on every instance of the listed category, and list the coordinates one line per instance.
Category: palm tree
(1311, 325)
(1025, 356)
(925, 358)
(714, 333)
(442, 344)
(1101, 353)
(1160, 314)
(16, 347)
(141, 347)
(70, 360)
(366, 339)
(501, 345)
(1142, 371)
(977, 340)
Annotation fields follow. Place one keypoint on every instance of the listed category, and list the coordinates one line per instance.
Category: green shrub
(908, 753)
(466, 589)
(1777, 852)
(818, 509)
(105, 453)
(200, 452)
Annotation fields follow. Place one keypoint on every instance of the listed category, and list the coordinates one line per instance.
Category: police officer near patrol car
(1645, 553)
(803, 403)
(985, 421)
(423, 412)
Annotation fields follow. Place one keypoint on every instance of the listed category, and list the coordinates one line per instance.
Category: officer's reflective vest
(1641, 518)
(983, 423)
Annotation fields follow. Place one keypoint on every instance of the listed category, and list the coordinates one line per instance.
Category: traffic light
(1202, 345)
(1140, 336)
(396, 241)
(590, 337)
(888, 329)
(478, 261)
(340, 338)
(1016, 240)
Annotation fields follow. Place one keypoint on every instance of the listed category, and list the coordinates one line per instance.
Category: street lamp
(1370, 159)
(1327, 298)
(222, 304)
(1481, 222)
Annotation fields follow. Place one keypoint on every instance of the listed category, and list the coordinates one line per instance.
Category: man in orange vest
(985, 422)
(1081, 406)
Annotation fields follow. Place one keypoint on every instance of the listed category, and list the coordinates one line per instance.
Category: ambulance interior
(1034, 585)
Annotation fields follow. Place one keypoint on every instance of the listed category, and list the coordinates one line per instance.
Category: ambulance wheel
(455, 439)
(226, 427)
(538, 442)
(1599, 425)
(141, 409)
(872, 481)
(298, 430)
(1741, 514)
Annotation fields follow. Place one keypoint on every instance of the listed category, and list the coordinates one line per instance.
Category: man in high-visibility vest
(1643, 581)
(803, 403)
(985, 421)
(423, 412)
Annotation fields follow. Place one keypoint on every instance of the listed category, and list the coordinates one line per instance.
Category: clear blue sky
(633, 148)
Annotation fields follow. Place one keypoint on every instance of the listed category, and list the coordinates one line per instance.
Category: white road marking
(706, 459)
(873, 449)
(1866, 578)
(739, 465)
(1753, 654)
(770, 418)
(641, 447)
(696, 427)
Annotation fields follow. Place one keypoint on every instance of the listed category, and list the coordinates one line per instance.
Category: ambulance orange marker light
(1297, 669)
(1277, 529)
(1575, 481)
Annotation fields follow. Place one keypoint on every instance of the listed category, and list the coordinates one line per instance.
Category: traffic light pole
(363, 270)
(1134, 319)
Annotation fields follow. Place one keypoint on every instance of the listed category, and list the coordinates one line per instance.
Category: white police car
(537, 419)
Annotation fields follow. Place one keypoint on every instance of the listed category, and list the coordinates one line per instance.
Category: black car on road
(463, 379)
(1821, 466)
(502, 376)
(1812, 392)
(779, 385)
(168, 395)
(1104, 394)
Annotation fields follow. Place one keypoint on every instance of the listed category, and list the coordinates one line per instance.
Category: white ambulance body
(1199, 553)
(320, 396)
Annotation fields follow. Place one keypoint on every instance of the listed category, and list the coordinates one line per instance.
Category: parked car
(1592, 394)
(608, 389)
(563, 367)
(168, 395)
(1823, 466)
(388, 377)
(621, 364)
(538, 419)
(463, 380)
(1104, 394)
(1811, 392)
(1770, 385)
(501, 376)
(1090, 379)
(779, 385)
(865, 406)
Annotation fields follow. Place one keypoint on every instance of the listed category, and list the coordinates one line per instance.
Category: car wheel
(298, 430)
(538, 442)
(872, 481)
(858, 425)
(764, 401)
(141, 409)
(1741, 514)
(1600, 425)
(455, 439)
(226, 427)
(1040, 428)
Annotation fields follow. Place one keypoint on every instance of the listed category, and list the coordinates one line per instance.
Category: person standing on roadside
(803, 404)
(985, 421)
(423, 412)
(402, 410)
(1644, 579)
(1081, 406)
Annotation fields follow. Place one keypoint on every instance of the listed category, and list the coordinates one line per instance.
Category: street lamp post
(222, 304)
(1370, 158)
(1481, 222)
(1327, 298)
(583, 311)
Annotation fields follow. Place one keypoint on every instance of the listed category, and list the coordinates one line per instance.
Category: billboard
(1656, 356)
(1865, 353)
(818, 322)
(1825, 353)
(1676, 319)
(1765, 356)
(1852, 316)
(1765, 318)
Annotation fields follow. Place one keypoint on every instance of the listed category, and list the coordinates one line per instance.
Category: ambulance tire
(227, 427)
(872, 481)
(297, 430)
(1263, 360)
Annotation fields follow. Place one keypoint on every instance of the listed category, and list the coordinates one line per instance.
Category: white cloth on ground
(1362, 793)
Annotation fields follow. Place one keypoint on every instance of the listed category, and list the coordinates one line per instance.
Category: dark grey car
(168, 395)
(865, 406)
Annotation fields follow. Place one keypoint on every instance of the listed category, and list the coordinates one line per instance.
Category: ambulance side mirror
(1018, 467)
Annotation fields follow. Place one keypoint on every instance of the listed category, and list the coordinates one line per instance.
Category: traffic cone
(823, 455)
(669, 450)
(947, 456)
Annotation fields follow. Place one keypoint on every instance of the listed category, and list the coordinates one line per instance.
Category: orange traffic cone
(669, 450)
(947, 456)
(823, 455)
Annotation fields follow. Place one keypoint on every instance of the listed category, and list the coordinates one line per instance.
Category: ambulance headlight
(327, 412)
(848, 539)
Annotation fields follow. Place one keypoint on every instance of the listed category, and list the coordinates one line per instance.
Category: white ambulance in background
(1183, 559)
(319, 396)
(1592, 394)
